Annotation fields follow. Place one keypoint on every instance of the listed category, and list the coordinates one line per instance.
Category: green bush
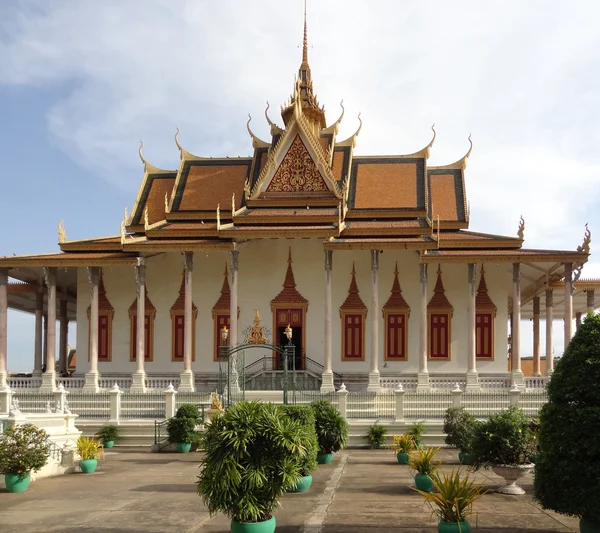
(568, 462)
(331, 427)
(188, 410)
(250, 460)
(108, 433)
(504, 439)
(23, 449)
(181, 430)
(376, 435)
(416, 432)
(305, 416)
(460, 428)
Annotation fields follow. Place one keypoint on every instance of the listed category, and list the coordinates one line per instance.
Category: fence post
(399, 393)
(60, 398)
(456, 396)
(170, 401)
(343, 400)
(5, 400)
(515, 393)
(115, 403)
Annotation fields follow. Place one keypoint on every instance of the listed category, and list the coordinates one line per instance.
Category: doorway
(295, 319)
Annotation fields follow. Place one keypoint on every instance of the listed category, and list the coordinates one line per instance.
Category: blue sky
(82, 82)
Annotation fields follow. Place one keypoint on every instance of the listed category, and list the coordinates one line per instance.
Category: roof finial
(305, 42)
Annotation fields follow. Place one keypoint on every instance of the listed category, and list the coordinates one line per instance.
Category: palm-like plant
(251, 458)
(424, 462)
(453, 496)
(331, 427)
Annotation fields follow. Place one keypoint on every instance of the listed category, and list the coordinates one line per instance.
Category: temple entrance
(295, 319)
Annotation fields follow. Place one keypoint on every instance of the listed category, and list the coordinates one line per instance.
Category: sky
(82, 82)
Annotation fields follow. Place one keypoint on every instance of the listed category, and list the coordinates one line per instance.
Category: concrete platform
(361, 491)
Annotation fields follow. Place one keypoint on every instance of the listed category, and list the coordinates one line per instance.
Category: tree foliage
(22, 449)
(305, 416)
(568, 462)
(331, 427)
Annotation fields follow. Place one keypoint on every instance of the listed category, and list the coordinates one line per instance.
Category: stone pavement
(362, 491)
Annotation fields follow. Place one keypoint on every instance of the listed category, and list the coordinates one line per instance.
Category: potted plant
(89, 450)
(376, 436)
(424, 463)
(416, 431)
(23, 449)
(181, 432)
(189, 410)
(246, 466)
(108, 435)
(331, 428)
(452, 500)
(403, 445)
(503, 444)
(307, 461)
(460, 428)
(566, 471)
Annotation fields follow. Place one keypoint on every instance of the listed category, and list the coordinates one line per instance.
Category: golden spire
(305, 43)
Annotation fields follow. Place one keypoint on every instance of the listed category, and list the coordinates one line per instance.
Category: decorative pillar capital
(536, 305)
(140, 273)
(50, 276)
(568, 272)
(3, 276)
(423, 273)
(549, 298)
(516, 272)
(472, 274)
(328, 260)
(188, 261)
(93, 276)
(374, 260)
(234, 256)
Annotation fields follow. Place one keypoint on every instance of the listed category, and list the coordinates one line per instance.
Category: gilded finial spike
(470, 147)
(141, 153)
(305, 41)
(521, 230)
(434, 135)
(177, 141)
(62, 236)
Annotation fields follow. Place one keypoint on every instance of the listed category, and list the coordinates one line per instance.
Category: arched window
(395, 318)
(439, 320)
(106, 314)
(353, 313)
(485, 316)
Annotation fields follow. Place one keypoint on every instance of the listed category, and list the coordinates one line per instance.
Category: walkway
(360, 492)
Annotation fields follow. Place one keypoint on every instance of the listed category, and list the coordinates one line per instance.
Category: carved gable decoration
(179, 306)
(438, 301)
(353, 301)
(289, 295)
(483, 302)
(297, 172)
(396, 301)
(104, 305)
(149, 308)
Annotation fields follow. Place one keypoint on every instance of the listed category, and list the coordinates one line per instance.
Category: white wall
(262, 268)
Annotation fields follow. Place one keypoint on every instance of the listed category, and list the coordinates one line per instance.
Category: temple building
(370, 260)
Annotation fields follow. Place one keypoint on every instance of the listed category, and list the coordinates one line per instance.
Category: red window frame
(439, 336)
(484, 336)
(396, 341)
(353, 337)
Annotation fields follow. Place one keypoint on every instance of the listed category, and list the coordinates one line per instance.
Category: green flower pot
(16, 483)
(402, 458)
(109, 443)
(253, 527)
(423, 483)
(88, 465)
(454, 527)
(466, 458)
(184, 447)
(303, 485)
(588, 526)
(324, 458)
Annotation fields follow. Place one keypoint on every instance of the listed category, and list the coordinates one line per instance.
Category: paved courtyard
(362, 491)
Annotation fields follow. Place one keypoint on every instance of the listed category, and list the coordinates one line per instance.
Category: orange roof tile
(443, 197)
(338, 165)
(156, 199)
(353, 301)
(385, 186)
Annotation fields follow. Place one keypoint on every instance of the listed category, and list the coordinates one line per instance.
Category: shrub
(424, 462)
(460, 428)
(403, 443)
(566, 469)
(305, 416)
(331, 427)
(504, 439)
(376, 435)
(108, 433)
(250, 460)
(88, 448)
(22, 449)
(181, 430)
(416, 431)
(188, 410)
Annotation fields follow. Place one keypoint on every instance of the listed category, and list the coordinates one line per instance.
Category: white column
(45, 341)
(63, 337)
(138, 379)
(91, 377)
(327, 376)
(39, 334)
(517, 377)
(233, 318)
(472, 375)
(423, 376)
(568, 303)
(549, 323)
(591, 304)
(536, 336)
(49, 377)
(374, 375)
(3, 325)
(187, 376)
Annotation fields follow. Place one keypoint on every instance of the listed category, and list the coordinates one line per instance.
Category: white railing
(157, 383)
(107, 383)
(494, 382)
(72, 383)
(446, 382)
(539, 382)
(392, 383)
(24, 383)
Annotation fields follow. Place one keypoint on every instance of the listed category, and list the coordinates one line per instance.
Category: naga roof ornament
(256, 141)
(275, 129)
(521, 230)
(62, 235)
